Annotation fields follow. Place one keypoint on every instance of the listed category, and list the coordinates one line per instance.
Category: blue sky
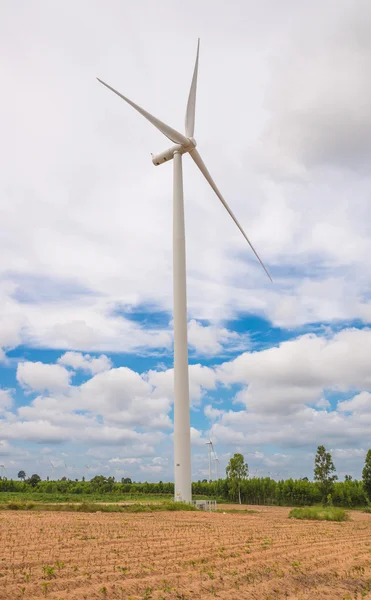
(283, 124)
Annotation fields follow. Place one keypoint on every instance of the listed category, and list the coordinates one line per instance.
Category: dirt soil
(184, 556)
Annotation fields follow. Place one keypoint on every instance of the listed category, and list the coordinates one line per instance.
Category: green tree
(22, 475)
(324, 471)
(237, 470)
(34, 480)
(348, 478)
(366, 475)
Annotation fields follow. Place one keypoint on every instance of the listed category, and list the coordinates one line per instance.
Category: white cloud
(348, 453)
(212, 413)
(160, 460)
(197, 438)
(88, 363)
(359, 404)
(6, 400)
(151, 468)
(33, 431)
(125, 461)
(38, 376)
(5, 448)
(320, 96)
(283, 379)
(201, 378)
(210, 340)
(86, 270)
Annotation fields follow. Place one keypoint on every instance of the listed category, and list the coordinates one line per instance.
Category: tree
(34, 480)
(236, 471)
(22, 475)
(348, 478)
(366, 475)
(125, 480)
(324, 471)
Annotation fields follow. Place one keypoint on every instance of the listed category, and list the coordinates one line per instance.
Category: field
(186, 555)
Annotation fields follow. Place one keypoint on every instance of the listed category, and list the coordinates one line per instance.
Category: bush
(319, 513)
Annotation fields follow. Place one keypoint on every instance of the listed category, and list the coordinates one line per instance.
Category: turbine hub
(159, 159)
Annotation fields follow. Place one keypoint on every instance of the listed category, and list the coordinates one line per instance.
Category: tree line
(236, 486)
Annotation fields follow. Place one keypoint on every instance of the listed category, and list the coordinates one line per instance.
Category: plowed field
(72, 556)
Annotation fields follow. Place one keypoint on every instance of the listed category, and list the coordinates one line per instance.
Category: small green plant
(124, 570)
(166, 587)
(103, 591)
(45, 588)
(49, 572)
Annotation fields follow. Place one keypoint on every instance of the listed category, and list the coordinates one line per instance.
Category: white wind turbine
(184, 144)
(209, 444)
(53, 469)
(216, 464)
(213, 460)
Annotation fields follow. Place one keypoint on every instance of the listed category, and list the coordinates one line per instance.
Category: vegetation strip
(96, 507)
(319, 513)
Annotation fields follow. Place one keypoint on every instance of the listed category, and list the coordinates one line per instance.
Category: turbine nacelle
(166, 155)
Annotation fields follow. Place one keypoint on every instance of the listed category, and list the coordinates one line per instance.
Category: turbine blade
(201, 165)
(171, 134)
(191, 106)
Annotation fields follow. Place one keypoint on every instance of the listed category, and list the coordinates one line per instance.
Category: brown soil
(184, 556)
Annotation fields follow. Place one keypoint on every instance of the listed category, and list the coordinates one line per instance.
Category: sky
(283, 122)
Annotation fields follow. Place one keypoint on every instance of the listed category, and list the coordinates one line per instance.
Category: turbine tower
(210, 448)
(216, 463)
(183, 144)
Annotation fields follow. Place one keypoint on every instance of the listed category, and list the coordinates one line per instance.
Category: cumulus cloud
(125, 461)
(359, 404)
(88, 363)
(6, 400)
(284, 378)
(210, 340)
(38, 376)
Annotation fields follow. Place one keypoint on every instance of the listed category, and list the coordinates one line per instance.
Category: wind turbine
(184, 144)
(216, 463)
(210, 446)
(4, 471)
(53, 469)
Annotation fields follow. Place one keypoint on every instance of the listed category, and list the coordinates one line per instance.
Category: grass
(91, 507)
(319, 513)
(56, 498)
(106, 497)
(236, 511)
